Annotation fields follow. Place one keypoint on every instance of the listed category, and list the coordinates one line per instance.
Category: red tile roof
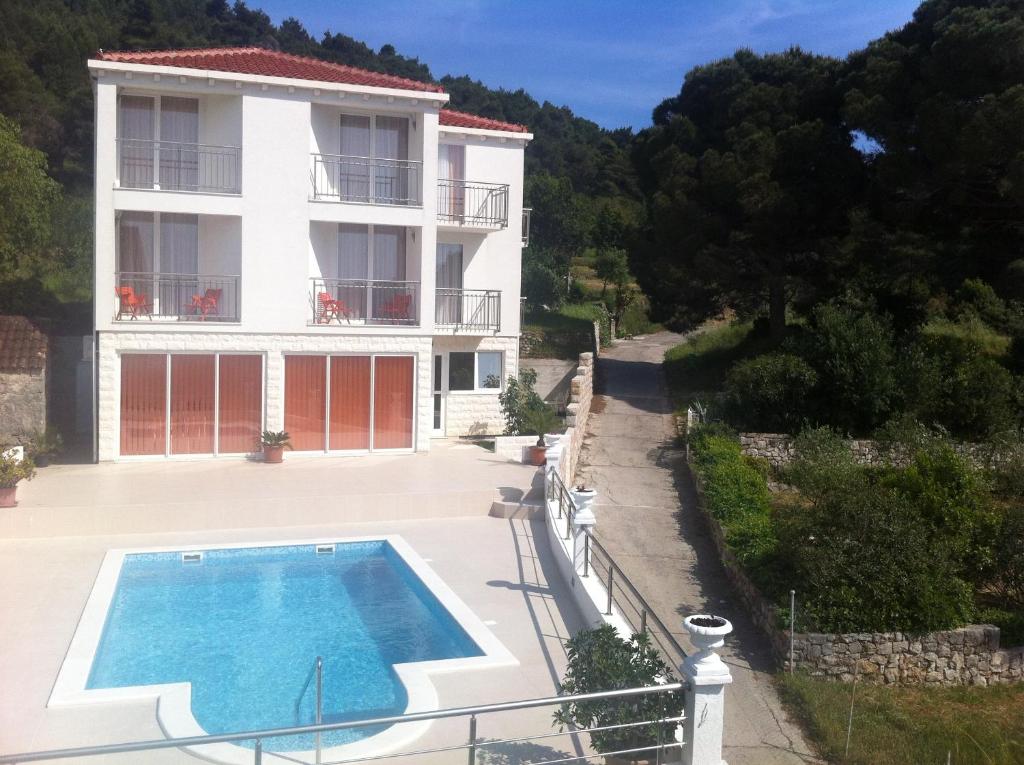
(267, 63)
(22, 345)
(453, 118)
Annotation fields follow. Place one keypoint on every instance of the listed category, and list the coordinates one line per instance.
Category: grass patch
(896, 726)
(562, 334)
(695, 369)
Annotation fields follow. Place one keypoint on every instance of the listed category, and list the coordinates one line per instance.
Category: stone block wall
(967, 656)
(22, 404)
(777, 448)
(581, 393)
(476, 413)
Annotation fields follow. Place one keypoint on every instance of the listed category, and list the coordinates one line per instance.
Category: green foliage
(736, 493)
(697, 368)
(518, 400)
(13, 470)
(42, 443)
(612, 267)
(1007, 583)
(277, 438)
(1010, 624)
(538, 419)
(769, 393)
(599, 660)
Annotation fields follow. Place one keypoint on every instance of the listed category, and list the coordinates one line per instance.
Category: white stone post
(583, 523)
(707, 676)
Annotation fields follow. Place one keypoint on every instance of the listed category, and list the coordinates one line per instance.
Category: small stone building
(23, 355)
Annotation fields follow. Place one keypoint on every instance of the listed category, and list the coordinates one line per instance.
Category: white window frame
(475, 391)
(157, 108)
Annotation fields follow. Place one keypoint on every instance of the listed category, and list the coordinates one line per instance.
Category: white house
(288, 244)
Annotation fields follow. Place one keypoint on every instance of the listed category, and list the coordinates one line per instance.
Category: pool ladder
(317, 671)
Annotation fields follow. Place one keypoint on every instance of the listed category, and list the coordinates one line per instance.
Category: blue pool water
(244, 626)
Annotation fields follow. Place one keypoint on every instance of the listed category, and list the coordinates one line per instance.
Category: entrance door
(438, 396)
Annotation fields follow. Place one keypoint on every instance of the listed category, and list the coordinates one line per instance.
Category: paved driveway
(646, 518)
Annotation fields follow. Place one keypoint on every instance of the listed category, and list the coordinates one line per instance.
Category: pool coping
(174, 712)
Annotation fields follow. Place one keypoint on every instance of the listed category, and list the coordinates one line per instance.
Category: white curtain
(389, 253)
(179, 134)
(179, 244)
(391, 142)
(136, 127)
(448, 305)
(353, 263)
(135, 242)
(352, 179)
(451, 171)
(391, 139)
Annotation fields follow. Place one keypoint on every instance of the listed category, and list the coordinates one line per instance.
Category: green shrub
(854, 354)
(769, 393)
(1008, 559)
(518, 401)
(1010, 624)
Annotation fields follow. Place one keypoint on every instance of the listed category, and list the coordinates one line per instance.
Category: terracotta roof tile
(268, 63)
(22, 345)
(461, 119)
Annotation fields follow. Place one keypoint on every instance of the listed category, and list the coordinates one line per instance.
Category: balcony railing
(469, 203)
(364, 301)
(367, 180)
(175, 297)
(474, 310)
(526, 226)
(175, 166)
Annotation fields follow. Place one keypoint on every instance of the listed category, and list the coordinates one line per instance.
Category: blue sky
(611, 62)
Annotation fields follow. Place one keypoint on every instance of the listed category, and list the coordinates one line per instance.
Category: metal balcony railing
(470, 203)
(527, 211)
(367, 180)
(176, 166)
(478, 310)
(178, 297)
(364, 301)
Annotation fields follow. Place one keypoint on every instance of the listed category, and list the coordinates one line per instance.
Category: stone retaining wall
(577, 413)
(967, 656)
(22, 404)
(777, 448)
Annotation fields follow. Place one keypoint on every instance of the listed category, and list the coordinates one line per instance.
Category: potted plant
(13, 468)
(539, 419)
(600, 660)
(274, 444)
(42, 445)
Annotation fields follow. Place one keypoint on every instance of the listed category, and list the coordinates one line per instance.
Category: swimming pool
(243, 625)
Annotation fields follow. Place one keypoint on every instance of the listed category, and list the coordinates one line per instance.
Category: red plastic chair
(205, 304)
(331, 308)
(397, 308)
(128, 302)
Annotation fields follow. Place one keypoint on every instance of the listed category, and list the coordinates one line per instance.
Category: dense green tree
(749, 174)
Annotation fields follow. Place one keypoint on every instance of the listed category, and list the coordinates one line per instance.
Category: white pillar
(583, 523)
(707, 676)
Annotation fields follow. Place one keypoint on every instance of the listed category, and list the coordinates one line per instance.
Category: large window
(191, 403)
(474, 371)
(158, 141)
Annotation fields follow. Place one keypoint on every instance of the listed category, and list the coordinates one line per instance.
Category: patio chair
(207, 303)
(330, 308)
(398, 308)
(132, 304)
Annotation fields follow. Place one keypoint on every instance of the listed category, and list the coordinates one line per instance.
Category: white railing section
(667, 735)
(367, 180)
(472, 203)
(605, 595)
(478, 310)
(178, 166)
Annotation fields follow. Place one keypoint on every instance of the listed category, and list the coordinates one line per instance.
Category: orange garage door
(143, 404)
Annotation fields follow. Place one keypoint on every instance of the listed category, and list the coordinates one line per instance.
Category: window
(474, 371)
(158, 139)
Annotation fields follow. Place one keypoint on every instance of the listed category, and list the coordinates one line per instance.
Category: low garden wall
(967, 656)
(777, 449)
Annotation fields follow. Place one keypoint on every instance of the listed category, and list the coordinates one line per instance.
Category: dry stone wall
(777, 448)
(22, 404)
(581, 394)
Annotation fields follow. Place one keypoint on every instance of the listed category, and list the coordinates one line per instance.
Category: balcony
(175, 166)
(525, 235)
(366, 302)
(367, 180)
(468, 310)
(468, 203)
(176, 297)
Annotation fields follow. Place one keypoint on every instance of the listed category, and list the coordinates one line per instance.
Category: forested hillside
(578, 173)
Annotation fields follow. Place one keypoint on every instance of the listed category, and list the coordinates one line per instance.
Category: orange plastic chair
(331, 308)
(132, 304)
(205, 304)
(398, 308)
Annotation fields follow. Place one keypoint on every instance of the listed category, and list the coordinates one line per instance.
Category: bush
(769, 393)
(1008, 559)
(599, 660)
(854, 353)
(518, 401)
(1010, 624)
(542, 286)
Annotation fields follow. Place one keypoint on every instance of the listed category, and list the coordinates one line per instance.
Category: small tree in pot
(13, 470)
(599, 660)
(540, 419)
(274, 444)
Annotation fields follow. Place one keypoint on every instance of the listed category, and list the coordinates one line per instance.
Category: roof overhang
(482, 134)
(99, 68)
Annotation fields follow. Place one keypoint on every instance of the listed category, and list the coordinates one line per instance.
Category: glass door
(448, 299)
(438, 396)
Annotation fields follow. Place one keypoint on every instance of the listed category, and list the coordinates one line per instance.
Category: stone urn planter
(584, 499)
(552, 439)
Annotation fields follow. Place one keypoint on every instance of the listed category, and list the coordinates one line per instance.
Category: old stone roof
(22, 345)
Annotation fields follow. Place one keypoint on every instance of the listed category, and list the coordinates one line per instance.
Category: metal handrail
(182, 297)
(525, 233)
(366, 180)
(472, 203)
(144, 163)
(317, 670)
(369, 301)
(467, 309)
(259, 735)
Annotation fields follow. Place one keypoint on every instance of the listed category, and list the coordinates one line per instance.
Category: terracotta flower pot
(537, 455)
(8, 496)
(273, 454)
